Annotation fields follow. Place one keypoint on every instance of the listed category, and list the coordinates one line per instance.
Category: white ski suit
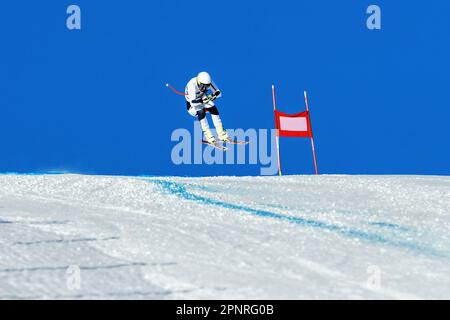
(197, 107)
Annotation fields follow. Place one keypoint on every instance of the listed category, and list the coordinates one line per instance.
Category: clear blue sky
(94, 101)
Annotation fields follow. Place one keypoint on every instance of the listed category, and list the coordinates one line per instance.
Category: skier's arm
(199, 100)
(215, 90)
(192, 95)
(215, 93)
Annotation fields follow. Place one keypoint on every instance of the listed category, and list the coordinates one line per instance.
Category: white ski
(215, 145)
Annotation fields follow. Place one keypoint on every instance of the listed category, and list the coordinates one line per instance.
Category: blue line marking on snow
(388, 225)
(180, 190)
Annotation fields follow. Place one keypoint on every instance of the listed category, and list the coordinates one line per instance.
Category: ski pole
(175, 90)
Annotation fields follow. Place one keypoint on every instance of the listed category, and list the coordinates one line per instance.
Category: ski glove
(209, 98)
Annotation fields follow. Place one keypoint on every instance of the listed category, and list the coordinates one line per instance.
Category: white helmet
(204, 78)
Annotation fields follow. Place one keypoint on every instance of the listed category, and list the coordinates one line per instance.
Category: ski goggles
(203, 87)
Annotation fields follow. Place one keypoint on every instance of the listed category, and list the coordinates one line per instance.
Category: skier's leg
(223, 135)
(201, 114)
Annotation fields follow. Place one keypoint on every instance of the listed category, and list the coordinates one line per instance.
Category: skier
(201, 92)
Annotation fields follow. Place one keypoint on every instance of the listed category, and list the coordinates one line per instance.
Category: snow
(292, 237)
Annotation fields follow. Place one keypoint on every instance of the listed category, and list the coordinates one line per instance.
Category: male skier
(201, 92)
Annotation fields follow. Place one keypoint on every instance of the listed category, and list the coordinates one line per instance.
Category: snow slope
(294, 237)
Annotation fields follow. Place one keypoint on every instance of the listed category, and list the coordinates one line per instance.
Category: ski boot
(209, 137)
(223, 135)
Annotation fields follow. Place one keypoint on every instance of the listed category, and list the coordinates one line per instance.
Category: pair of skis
(220, 147)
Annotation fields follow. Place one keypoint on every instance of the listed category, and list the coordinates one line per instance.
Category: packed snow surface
(293, 237)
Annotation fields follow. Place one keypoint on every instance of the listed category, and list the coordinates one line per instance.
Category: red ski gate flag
(293, 125)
